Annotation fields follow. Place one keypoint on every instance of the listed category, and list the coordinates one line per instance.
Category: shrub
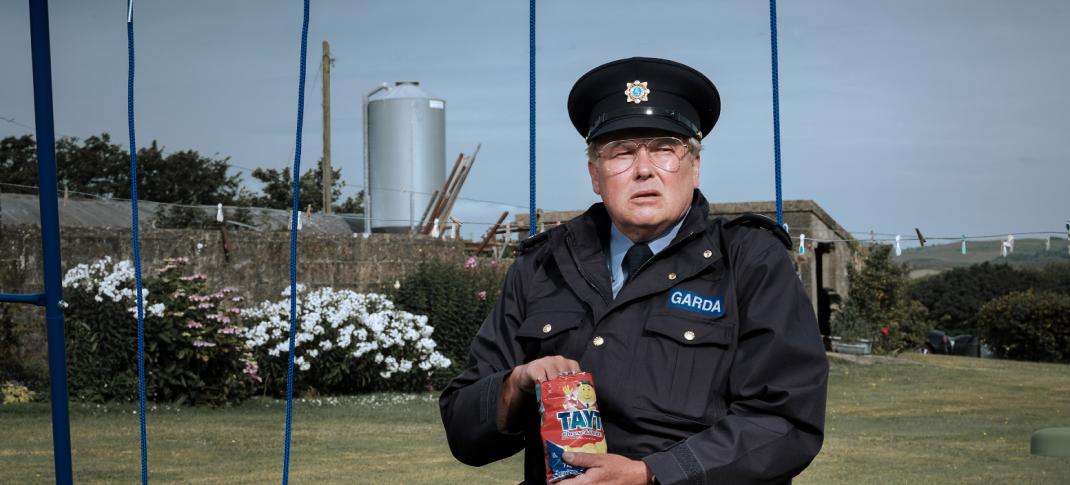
(1054, 277)
(194, 347)
(1028, 325)
(456, 297)
(346, 342)
(878, 307)
(953, 298)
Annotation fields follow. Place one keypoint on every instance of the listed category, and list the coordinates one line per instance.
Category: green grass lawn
(929, 419)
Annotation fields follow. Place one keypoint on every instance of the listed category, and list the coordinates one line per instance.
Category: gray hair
(694, 145)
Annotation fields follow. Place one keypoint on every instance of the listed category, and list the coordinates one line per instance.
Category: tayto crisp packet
(570, 422)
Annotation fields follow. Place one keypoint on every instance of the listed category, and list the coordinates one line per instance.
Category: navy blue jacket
(703, 393)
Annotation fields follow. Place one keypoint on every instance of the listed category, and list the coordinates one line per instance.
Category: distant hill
(935, 258)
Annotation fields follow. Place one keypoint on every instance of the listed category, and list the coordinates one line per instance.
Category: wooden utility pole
(326, 168)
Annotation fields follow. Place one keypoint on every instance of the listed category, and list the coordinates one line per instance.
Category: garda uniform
(708, 363)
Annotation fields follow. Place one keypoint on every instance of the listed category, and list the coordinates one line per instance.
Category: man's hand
(526, 376)
(607, 470)
(520, 383)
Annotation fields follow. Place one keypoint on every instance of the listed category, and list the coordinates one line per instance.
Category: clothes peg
(898, 247)
(963, 244)
(219, 212)
(802, 244)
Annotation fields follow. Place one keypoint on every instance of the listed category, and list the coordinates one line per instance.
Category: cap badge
(637, 92)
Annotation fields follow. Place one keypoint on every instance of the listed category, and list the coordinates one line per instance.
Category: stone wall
(257, 263)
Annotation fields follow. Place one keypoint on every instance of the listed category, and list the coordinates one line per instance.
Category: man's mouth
(645, 195)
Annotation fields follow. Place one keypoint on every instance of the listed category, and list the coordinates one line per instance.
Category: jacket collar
(593, 225)
(581, 255)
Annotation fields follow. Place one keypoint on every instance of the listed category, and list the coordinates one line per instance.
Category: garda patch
(706, 305)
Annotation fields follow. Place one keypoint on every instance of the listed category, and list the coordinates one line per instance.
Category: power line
(16, 122)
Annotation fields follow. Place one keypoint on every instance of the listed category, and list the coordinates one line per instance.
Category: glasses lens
(664, 152)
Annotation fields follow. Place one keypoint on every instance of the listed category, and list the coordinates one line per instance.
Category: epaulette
(758, 220)
(532, 242)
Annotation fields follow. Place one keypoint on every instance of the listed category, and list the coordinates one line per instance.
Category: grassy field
(935, 258)
(917, 419)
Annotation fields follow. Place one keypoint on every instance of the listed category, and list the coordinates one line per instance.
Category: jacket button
(546, 328)
(707, 253)
(672, 276)
(598, 341)
(689, 335)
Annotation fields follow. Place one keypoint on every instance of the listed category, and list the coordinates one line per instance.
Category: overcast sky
(950, 116)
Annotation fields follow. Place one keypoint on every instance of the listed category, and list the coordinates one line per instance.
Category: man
(704, 349)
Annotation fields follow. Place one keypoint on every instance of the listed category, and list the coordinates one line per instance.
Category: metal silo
(405, 130)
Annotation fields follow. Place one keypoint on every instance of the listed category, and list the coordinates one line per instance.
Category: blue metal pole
(46, 180)
(32, 298)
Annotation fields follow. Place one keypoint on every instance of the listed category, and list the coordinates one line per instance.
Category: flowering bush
(14, 393)
(456, 297)
(879, 308)
(194, 346)
(345, 342)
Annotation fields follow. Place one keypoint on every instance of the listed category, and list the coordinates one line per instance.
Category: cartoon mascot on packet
(570, 422)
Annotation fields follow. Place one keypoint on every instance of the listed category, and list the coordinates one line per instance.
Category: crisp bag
(570, 422)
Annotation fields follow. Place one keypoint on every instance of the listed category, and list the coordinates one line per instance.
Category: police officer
(704, 349)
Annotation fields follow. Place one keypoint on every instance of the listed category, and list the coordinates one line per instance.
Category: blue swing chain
(293, 251)
(531, 120)
(137, 249)
(137, 246)
(776, 112)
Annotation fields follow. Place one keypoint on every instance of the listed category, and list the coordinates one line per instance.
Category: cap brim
(640, 122)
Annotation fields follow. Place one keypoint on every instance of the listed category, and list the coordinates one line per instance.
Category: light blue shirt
(619, 244)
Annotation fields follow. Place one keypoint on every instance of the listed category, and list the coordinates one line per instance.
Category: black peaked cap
(671, 97)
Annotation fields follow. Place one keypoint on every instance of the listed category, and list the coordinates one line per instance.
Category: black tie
(633, 259)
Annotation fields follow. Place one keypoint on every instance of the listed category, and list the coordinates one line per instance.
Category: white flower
(365, 326)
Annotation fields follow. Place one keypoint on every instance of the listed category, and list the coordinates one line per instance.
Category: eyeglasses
(665, 152)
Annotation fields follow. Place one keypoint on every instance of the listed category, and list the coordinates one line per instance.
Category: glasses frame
(644, 143)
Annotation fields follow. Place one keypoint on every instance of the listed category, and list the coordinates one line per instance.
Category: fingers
(584, 460)
(544, 369)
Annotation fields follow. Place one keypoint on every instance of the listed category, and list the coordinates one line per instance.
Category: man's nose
(644, 166)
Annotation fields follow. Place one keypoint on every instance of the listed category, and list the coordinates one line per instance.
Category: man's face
(644, 200)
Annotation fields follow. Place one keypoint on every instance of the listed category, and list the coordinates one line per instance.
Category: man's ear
(696, 162)
(592, 169)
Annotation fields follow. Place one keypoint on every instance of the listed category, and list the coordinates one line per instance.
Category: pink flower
(219, 318)
(470, 263)
(195, 277)
(202, 343)
(252, 370)
(206, 305)
(884, 330)
(482, 295)
(194, 324)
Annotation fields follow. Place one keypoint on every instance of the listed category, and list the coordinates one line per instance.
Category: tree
(18, 160)
(953, 298)
(278, 190)
(98, 166)
(879, 307)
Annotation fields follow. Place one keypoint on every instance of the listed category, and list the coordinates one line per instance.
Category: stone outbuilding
(822, 267)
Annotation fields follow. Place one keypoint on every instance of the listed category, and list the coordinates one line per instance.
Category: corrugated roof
(21, 209)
